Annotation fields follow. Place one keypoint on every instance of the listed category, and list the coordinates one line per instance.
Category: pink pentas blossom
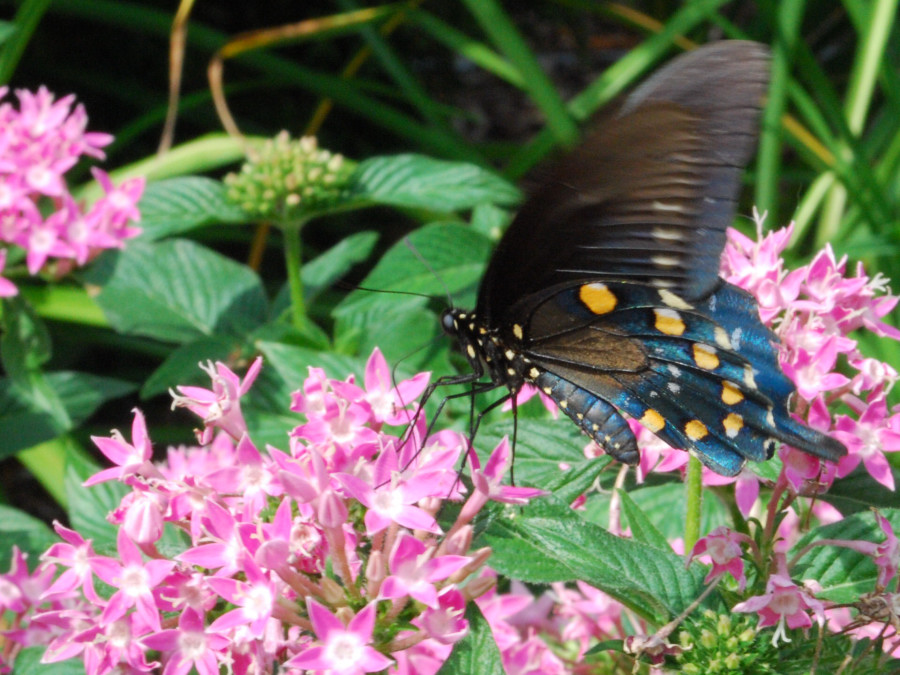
(869, 437)
(344, 650)
(724, 548)
(220, 406)
(135, 580)
(39, 144)
(415, 571)
(390, 403)
(191, 645)
(784, 605)
(132, 459)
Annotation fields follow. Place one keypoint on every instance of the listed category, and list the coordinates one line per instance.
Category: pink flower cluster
(325, 557)
(39, 142)
(814, 310)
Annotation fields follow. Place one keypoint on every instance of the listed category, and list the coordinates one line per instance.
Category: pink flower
(191, 645)
(392, 499)
(220, 407)
(724, 548)
(135, 581)
(415, 570)
(7, 288)
(446, 623)
(345, 650)
(388, 402)
(869, 437)
(784, 604)
(133, 459)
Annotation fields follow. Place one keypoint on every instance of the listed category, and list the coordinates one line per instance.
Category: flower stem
(293, 252)
(694, 503)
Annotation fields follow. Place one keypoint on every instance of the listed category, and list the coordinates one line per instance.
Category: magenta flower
(40, 143)
(868, 438)
(784, 604)
(135, 581)
(7, 288)
(415, 570)
(487, 481)
(389, 403)
(724, 549)
(76, 555)
(344, 650)
(254, 599)
(220, 406)
(132, 459)
(446, 623)
(191, 645)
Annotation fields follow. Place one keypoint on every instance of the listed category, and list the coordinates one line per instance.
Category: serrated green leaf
(179, 205)
(30, 534)
(477, 652)
(417, 181)
(642, 529)
(455, 257)
(843, 574)
(664, 506)
(177, 291)
(547, 541)
(549, 453)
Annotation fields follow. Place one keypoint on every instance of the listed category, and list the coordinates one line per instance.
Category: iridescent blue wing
(702, 376)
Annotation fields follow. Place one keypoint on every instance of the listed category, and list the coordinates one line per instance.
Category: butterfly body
(604, 292)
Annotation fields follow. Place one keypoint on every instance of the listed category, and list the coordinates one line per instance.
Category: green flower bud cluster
(724, 644)
(287, 178)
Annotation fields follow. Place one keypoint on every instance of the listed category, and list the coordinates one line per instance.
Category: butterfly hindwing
(686, 372)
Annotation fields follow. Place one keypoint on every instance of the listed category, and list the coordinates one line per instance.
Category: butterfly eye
(448, 322)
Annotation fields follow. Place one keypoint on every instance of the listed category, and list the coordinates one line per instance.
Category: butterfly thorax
(488, 351)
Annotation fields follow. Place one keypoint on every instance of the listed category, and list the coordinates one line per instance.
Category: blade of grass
(503, 33)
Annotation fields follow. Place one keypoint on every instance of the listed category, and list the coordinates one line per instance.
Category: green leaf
(642, 529)
(417, 181)
(322, 271)
(547, 541)
(664, 506)
(490, 220)
(24, 423)
(182, 364)
(179, 205)
(455, 256)
(28, 662)
(844, 574)
(543, 448)
(477, 652)
(177, 291)
(30, 534)
(89, 507)
(860, 492)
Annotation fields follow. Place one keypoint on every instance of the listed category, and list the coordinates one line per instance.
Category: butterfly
(604, 291)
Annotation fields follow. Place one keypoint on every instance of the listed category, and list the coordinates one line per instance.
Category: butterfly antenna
(412, 249)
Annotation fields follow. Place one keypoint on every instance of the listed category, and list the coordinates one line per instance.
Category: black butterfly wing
(607, 284)
(648, 195)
